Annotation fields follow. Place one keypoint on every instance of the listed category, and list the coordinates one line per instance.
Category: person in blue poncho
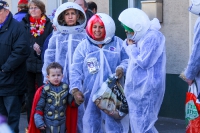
(193, 68)
(94, 59)
(145, 77)
(69, 20)
(22, 10)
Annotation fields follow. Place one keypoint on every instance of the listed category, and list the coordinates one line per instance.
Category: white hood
(195, 7)
(70, 29)
(137, 20)
(109, 28)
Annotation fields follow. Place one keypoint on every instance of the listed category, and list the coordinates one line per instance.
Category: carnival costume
(193, 67)
(50, 109)
(145, 78)
(64, 41)
(91, 67)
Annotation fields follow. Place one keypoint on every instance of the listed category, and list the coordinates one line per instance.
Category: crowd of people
(69, 56)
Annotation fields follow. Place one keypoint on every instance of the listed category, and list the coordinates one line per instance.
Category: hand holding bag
(110, 98)
(192, 110)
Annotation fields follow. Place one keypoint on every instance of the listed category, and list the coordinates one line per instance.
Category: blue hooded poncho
(145, 77)
(88, 79)
(64, 41)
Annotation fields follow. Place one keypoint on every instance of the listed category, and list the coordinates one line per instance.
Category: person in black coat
(38, 27)
(14, 51)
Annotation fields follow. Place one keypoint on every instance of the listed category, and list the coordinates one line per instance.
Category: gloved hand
(130, 42)
(78, 96)
(119, 72)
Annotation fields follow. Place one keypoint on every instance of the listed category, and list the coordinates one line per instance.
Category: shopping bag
(110, 98)
(192, 110)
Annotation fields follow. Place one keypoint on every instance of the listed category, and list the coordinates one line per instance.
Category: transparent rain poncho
(64, 41)
(145, 79)
(107, 61)
(91, 67)
(193, 67)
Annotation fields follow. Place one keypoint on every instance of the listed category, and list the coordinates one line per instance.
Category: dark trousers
(10, 106)
(33, 80)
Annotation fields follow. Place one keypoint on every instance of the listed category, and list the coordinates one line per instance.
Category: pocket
(6, 79)
(5, 53)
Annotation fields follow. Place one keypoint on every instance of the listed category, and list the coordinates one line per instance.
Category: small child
(50, 103)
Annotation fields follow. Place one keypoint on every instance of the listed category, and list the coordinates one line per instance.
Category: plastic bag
(110, 98)
(192, 110)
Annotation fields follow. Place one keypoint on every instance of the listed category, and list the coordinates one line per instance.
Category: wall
(12, 5)
(175, 27)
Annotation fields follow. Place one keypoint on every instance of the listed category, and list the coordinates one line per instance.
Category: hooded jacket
(145, 78)
(64, 41)
(20, 15)
(14, 52)
(91, 67)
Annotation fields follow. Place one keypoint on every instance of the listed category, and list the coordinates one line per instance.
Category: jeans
(10, 106)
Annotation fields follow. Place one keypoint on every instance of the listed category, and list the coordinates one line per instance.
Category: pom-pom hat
(22, 2)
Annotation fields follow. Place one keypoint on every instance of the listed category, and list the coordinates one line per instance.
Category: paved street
(169, 125)
(23, 123)
(164, 125)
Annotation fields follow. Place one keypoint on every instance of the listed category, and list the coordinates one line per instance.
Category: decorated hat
(23, 2)
(3, 4)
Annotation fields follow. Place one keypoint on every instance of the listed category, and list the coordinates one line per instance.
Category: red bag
(192, 110)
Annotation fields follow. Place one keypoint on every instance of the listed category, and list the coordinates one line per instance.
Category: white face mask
(129, 35)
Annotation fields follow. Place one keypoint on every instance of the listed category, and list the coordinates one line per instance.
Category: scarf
(37, 26)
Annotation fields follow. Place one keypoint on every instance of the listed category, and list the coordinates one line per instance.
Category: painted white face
(195, 7)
